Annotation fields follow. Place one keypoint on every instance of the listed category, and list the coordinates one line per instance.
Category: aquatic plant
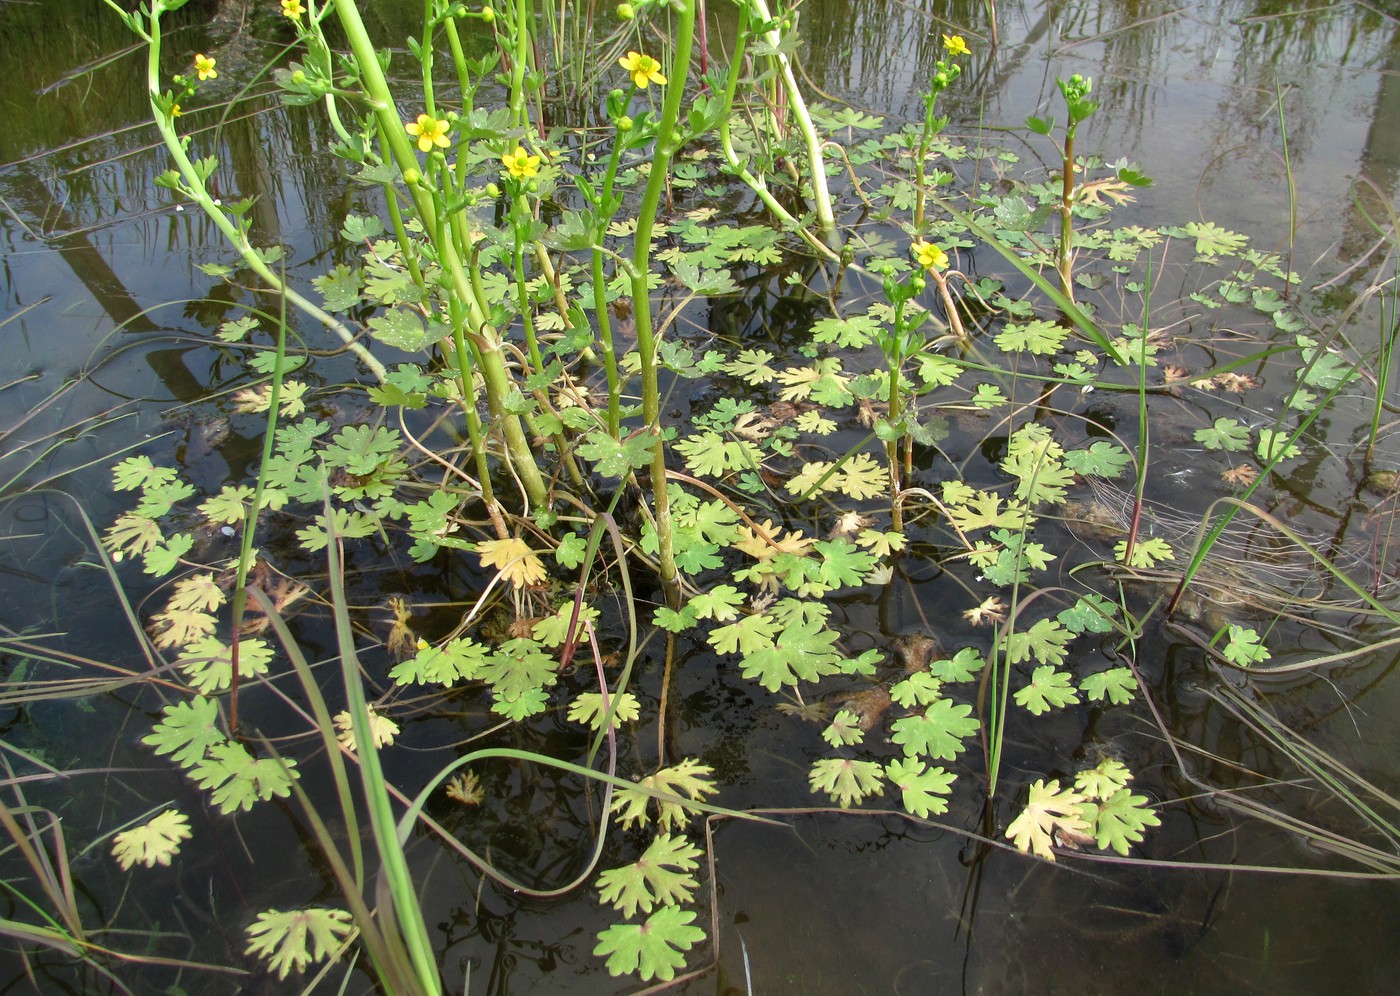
(510, 262)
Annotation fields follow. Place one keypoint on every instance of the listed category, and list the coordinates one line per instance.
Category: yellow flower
(429, 133)
(175, 111)
(955, 45)
(930, 256)
(293, 8)
(521, 164)
(204, 66)
(644, 69)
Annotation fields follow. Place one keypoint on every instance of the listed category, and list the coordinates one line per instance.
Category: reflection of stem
(739, 167)
(826, 219)
(954, 319)
(194, 187)
(667, 142)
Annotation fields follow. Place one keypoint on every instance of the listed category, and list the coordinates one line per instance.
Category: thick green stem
(667, 143)
(1067, 217)
(492, 362)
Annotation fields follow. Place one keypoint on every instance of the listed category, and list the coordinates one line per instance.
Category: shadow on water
(108, 323)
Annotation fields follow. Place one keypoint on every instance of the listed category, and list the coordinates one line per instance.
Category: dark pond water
(107, 327)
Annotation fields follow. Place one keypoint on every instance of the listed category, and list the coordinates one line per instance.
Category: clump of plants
(524, 292)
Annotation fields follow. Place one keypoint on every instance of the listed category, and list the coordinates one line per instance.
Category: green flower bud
(493, 190)
(299, 77)
(917, 283)
(488, 15)
(624, 123)
(625, 11)
(412, 177)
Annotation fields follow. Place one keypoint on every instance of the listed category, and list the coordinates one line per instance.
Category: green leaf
(1118, 684)
(721, 603)
(843, 564)
(235, 780)
(855, 332)
(938, 733)
(1212, 240)
(159, 498)
(921, 689)
(1275, 445)
(844, 729)
(340, 289)
(187, 731)
(138, 472)
(208, 662)
(361, 229)
(921, 788)
(1147, 551)
(801, 652)
(1245, 647)
(588, 708)
(1049, 689)
(520, 671)
(845, 780)
(292, 940)
(1040, 338)
(403, 329)
(1091, 614)
(1104, 779)
(553, 630)
(1036, 460)
(653, 948)
(749, 635)
(612, 458)
(962, 666)
(708, 454)
(1046, 641)
(1102, 459)
(1121, 820)
(988, 396)
(361, 449)
(237, 329)
(458, 661)
(658, 878)
(1226, 434)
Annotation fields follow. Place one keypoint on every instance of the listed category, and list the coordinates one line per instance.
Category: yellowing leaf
(671, 788)
(1050, 812)
(382, 729)
(154, 842)
(286, 939)
(519, 565)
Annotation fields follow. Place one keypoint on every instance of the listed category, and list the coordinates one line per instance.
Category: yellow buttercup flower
(955, 45)
(643, 68)
(929, 256)
(520, 164)
(204, 66)
(428, 132)
(175, 111)
(292, 9)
